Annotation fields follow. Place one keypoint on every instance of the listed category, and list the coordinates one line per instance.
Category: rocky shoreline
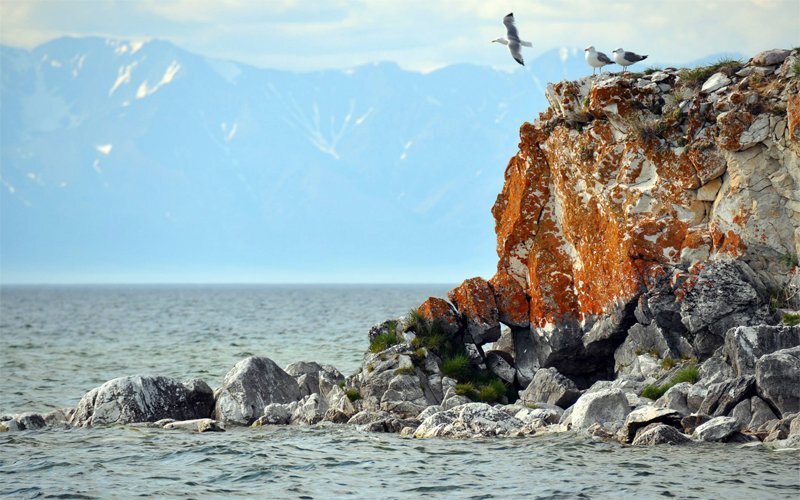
(647, 290)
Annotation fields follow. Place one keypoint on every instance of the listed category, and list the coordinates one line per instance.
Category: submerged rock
(199, 425)
(249, 387)
(127, 400)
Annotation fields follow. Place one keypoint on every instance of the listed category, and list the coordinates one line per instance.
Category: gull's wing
(604, 58)
(513, 47)
(633, 57)
(511, 30)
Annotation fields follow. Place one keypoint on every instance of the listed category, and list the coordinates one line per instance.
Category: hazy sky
(417, 34)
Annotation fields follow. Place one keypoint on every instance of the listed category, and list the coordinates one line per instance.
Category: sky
(420, 35)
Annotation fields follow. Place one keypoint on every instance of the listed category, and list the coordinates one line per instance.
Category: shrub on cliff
(696, 76)
(456, 367)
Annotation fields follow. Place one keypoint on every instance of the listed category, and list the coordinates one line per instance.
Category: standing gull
(596, 59)
(513, 40)
(625, 59)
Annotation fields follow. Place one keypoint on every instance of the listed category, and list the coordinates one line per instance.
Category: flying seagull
(513, 40)
(625, 59)
(596, 59)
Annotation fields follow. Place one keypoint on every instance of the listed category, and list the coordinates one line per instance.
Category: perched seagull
(513, 40)
(625, 59)
(596, 59)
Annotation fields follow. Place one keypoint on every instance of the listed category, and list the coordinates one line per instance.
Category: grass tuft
(456, 367)
(791, 319)
(697, 76)
(384, 341)
(689, 374)
(353, 394)
(668, 363)
(405, 370)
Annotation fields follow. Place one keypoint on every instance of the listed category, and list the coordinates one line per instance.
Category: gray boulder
(249, 387)
(276, 414)
(608, 407)
(726, 294)
(778, 379)
(549, 386)
(715, 370)
(644, 416)
(723, 397)
(310, 410)
(526, 360)
(501, 364)
(404, 396)
(676, 398)
(742, 413)
(469, 420)
(717, 429)
(692, 422)
(547, 416)
(760, 413)
(657, 433)
(648, 339)
(127, 400)
(744, 345)
(314, 378)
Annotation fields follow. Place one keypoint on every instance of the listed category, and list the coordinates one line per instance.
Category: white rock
(715, 82)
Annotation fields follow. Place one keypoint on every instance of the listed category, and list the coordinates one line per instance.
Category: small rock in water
(716, 429)
(657, 433)
(199, 425)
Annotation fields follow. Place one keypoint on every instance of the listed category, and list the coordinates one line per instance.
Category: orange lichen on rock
(512, 303)
(475, 301)
(793, 114)
(439, 311)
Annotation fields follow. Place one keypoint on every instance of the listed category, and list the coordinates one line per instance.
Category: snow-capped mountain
(146, 161)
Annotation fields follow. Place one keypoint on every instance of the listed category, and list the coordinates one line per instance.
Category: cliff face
(634, 187)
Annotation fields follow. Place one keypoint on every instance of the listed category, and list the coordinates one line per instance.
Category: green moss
(353, 394)
(456, 367)
(791, 319)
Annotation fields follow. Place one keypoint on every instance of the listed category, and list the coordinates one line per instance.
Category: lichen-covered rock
(22, 422)
(657, 433)
(439, 311)
(607, 407)
(127, 400)
(717, 429)
(744, 345)
(469, 420)
(549, 386)
(623, 185)
(249, 387)
(475, 301)
(512, 303)
(778, 379)
(770, 57)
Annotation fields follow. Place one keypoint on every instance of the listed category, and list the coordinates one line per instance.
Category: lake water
(59, 342)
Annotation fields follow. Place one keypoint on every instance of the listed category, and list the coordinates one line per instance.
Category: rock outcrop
(143, 399)
(249, 387)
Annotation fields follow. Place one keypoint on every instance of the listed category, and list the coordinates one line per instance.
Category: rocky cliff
(667, 201)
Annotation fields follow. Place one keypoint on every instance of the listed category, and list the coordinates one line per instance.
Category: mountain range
(142, 162)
